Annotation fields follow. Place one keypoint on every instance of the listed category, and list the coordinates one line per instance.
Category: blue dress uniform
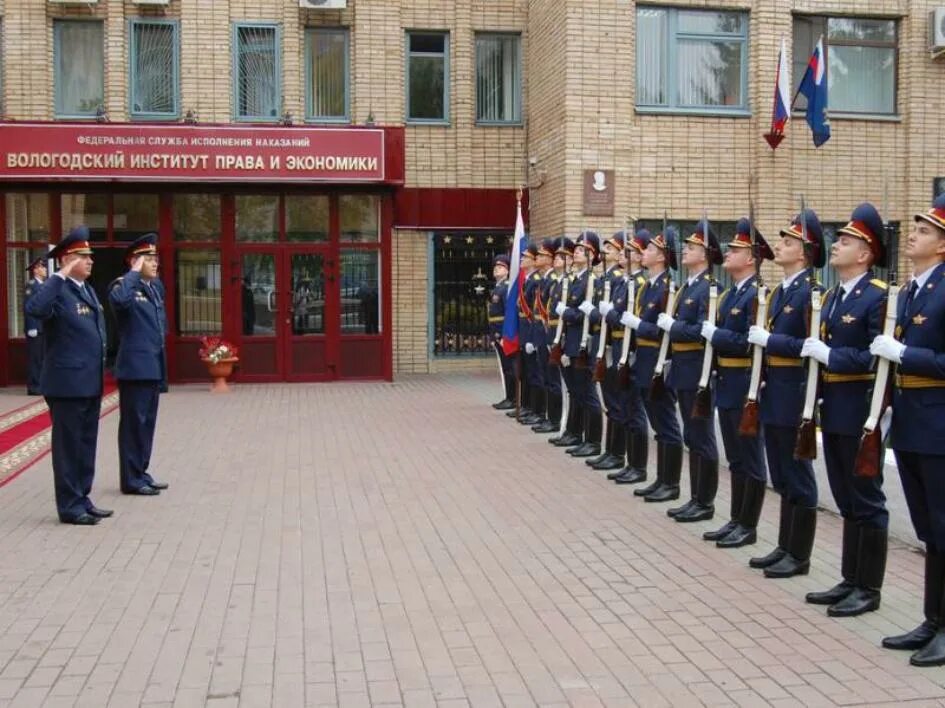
(918, 438)
(496, 320)
(781, 407)
(584, 406)
(661, 412)
(746, 462)
(33, 328)
(631, 399)
(549, 295)
(72, 379)
(852, 317)
(527, 362)
(538, 359)
(139, 367)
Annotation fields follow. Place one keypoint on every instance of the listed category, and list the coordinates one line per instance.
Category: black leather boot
(933, 653)
(694, 465)
(849, 556)
(593, 430)
(660, 472)
(870, 570)
(509, 401)
(618, 448)
(745, 532)
(706, 489)
(553, 423)
(536, 406)
(797, 559)
(934, 585)
(608, 447)
(637, 458)
(784, 533)
(735, 506)
(573, 429)
(669, 490)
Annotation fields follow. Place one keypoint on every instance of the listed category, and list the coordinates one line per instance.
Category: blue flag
(814, 87)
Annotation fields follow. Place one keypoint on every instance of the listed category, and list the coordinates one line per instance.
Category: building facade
(330, 180)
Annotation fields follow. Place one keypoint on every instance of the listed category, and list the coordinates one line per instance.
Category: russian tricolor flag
(781, 113)
(510, 325)
(814, 87)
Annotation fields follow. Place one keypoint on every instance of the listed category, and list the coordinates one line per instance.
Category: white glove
(565, 360)
(664, 322)
(758, 335)
(816, 349)
(708, 330)
(888, 348)
(587, 307)
(32, 332)
(560, 308)
(628, 319)
(529, 348)
(605, 307)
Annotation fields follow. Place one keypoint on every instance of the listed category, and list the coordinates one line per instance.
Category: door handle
(271, 301)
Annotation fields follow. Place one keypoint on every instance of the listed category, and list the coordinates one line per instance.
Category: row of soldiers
(624, 352)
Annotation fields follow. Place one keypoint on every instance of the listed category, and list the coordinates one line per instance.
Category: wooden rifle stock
(582, 360)
(554, 356)
(869, 458)
(702, 405)
(748, 426)
(806, 446)
(600, 367)
(658, 385)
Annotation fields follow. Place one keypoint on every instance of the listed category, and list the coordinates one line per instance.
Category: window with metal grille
(428, 77)
(79, 63)
(725, 230)
(326, 66)
(257, 70)
(498, 78)
(154, 68)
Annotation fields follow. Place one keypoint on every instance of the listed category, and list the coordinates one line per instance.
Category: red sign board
(189, 153)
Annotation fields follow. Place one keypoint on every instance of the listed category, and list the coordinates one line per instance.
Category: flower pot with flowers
(219, 356)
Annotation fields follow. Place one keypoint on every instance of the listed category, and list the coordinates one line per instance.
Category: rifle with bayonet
(702, 405)
(806, 446)
(748, 426)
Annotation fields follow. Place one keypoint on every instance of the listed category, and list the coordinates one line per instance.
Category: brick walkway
(404, 544)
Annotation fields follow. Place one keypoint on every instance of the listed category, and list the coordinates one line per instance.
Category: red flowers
(215, 349)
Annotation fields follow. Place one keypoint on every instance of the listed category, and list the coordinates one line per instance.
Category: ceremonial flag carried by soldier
(510, 326)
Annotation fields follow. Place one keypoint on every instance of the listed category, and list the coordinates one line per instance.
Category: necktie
(910, 296)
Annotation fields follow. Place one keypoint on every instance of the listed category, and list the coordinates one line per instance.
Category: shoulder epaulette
(881, 284)
(115, 281)
(536, 275)
(617, 272)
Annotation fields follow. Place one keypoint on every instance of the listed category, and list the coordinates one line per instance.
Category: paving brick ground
(404, 544)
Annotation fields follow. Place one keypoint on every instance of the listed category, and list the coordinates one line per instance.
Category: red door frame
(331, 322)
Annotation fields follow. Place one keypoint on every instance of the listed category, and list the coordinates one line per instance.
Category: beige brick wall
(411, 301)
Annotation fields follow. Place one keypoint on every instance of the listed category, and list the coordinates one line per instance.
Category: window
(198, 292)
(90, 210)
(196, 217)
(154, 73)
(692, 60)
(498, 78)
(17, 261)
(79, 68)
(861, 62)
(27, 217)
(428, 77)
(326, 65)
(258, 80)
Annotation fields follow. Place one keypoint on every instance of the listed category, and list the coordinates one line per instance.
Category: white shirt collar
(692, 278)
(580, 273)
(654, 278)
(740, 283)
(786, 283)
(923, 277)
(80, 283)
(849, 285)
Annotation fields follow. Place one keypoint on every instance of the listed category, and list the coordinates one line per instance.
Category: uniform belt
(910, 381)
(847, 378)
(730, 362)
(784, 361)
(616, 334)
(647, 342)
(552, 323)
(687, 347)
(501, 318)
(538, 318)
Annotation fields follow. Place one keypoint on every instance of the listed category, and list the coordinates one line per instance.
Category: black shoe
(664, 494)
(831, 596)
(100, 513)
(697, 512)
(611, 462)
(504, 405)
(766, 561)
(566, 440)
(594, 460)
(858, 602)
(648, 490)
(522, 412)
(796, 560)
(83, 520)
(630, 477)
(588, 449)
(677, 510)
(932, 654)
(533, 419)
(33, 393)
(546, 427)
(721, 533)
(740, 536)
(159, 485)
(144, 491)
(916, 639)
(788, 567)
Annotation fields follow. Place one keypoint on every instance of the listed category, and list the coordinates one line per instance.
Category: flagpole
(518, 353)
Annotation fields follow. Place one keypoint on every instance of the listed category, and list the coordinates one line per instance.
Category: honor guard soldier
(548, 296)
(853, 317)
(137, 298)
(536, 347)
(615, 446)
(729, 339)
(33, 326)
(73, 374)
(500, 273)
(702, 251)
(585, 429)
(636, 432)
(800, 249)
(526, 354)
(918, 422)
(659, 257)
(571, 415)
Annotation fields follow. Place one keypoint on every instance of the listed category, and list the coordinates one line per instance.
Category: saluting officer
(549, 295)
(631, 401)
(615, 446)
(137, 299)
(73, 374)
(500, 273)
(918, 422)
(729, 338)
(658, 258)
(702, 251)
(782, 400)
(853, 317)
(537, 342)
(33, 326)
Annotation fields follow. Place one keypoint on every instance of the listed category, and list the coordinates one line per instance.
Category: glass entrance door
(261, 324)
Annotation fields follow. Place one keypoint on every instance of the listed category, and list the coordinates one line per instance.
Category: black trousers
(34, 355)
(138, 405)
(74, 438)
